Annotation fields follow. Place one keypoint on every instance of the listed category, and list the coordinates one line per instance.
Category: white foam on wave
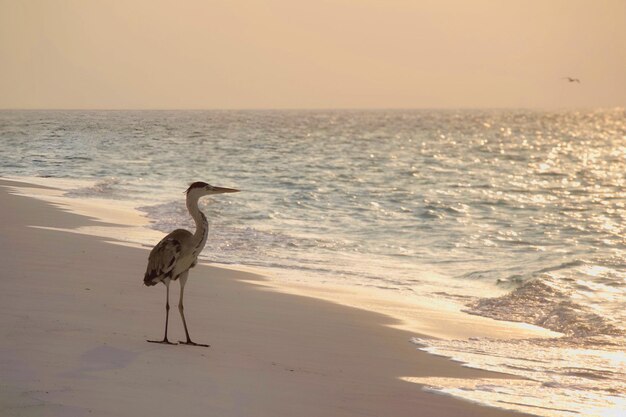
(104, 188)
(523, 396)
(558, 375)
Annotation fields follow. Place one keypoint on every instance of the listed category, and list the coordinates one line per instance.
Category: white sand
(74, 317)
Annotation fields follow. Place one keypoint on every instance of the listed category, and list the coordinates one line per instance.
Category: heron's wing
(162, 260)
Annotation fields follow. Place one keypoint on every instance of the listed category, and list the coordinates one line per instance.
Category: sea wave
(546, 303)
(576, 298)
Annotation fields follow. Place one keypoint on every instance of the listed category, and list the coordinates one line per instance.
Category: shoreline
(75, 318)
(432, 318)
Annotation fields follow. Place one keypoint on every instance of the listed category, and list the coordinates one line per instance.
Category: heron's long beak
(221, 190)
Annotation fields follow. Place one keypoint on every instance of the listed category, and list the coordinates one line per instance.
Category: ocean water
(517, 215)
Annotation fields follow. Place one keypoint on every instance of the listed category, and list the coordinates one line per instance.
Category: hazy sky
(311, 54)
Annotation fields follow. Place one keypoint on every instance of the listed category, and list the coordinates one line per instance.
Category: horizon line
(616, 107)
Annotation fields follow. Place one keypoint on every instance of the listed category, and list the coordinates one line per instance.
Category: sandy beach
(75, 317)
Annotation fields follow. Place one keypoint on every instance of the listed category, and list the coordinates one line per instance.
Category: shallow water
(518, 215)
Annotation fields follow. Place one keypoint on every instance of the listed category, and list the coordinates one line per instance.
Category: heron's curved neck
(202, 225)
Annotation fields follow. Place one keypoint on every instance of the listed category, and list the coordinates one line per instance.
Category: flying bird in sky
(572, 80)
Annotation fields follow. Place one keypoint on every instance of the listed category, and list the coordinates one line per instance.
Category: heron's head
(199, 189)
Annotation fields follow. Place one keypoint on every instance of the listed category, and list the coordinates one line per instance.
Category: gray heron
(176, 253)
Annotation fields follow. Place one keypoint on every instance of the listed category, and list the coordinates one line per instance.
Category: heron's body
(178, 252)
(174, 254)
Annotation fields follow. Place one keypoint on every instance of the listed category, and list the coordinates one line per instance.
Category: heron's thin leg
(167, 313)
(181, 309)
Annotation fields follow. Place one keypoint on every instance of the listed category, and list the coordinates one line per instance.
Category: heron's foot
(164, 341)
(189, 342)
